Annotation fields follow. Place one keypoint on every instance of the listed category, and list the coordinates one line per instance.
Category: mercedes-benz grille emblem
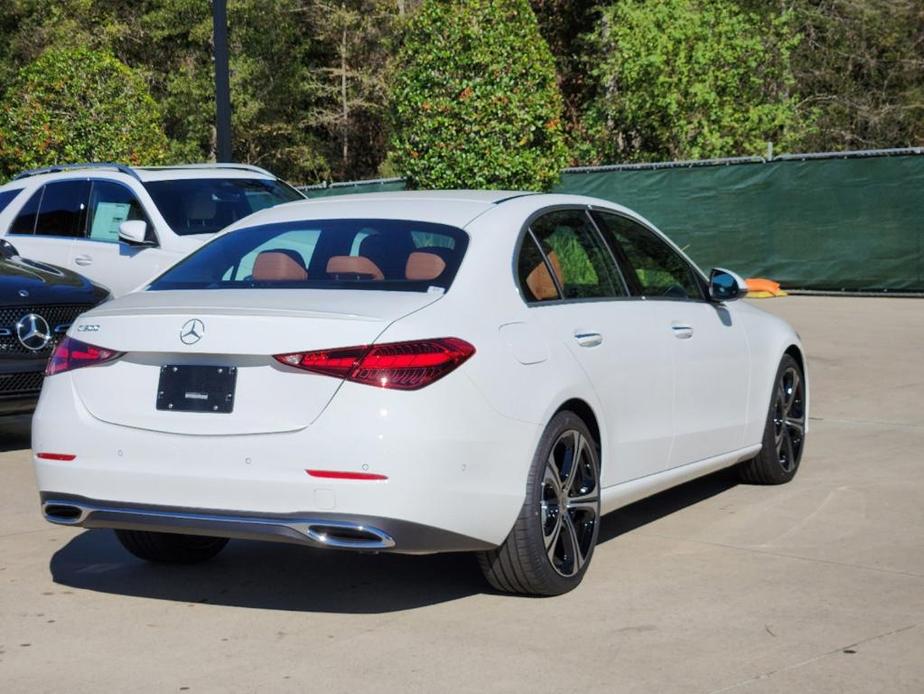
(192, 331)
(33, 332)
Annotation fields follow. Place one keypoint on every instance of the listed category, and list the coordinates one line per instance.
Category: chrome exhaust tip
(64, 512)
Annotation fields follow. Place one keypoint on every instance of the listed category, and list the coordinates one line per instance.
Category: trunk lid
(227, 328)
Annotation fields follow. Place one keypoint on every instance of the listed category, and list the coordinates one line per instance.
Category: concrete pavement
(816, 586)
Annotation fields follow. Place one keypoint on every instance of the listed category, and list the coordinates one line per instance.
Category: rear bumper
(453, 471)
(323, 530)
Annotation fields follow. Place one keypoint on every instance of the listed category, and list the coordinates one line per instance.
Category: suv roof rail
(57, 168)
(241, 167)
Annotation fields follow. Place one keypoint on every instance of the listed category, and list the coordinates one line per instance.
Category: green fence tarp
(850, 224)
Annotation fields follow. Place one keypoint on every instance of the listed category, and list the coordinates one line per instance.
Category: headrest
(354, 265)
(540, 282)
(423, 266)
(200, 206)
(279, 265)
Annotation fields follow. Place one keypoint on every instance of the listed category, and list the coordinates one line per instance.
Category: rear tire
(784, 432)
(170, 548)
(552, 542)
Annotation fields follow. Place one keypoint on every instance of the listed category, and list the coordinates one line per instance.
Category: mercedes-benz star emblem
(192, 331)
(33, 332)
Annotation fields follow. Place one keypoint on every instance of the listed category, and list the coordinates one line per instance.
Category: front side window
(376, 254)
(110, 205)
(655, 270)
(581, 264)
(207, 205)
(63, 210)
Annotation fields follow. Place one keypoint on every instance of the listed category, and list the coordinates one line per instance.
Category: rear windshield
(207, 205)
(325, 254)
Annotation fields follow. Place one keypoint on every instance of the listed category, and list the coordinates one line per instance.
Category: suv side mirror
(725, 285)
(134, 232)
(7, 249)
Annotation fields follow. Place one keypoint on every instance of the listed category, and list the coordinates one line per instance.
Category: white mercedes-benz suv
(415, 372)
(120, 226)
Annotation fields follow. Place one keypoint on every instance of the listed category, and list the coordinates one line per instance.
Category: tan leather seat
(354, 265)
(279, 266)
(540, 282)
(422, 266)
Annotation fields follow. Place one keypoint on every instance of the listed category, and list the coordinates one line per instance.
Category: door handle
(83, 260)
(586, 338)
(682, 331)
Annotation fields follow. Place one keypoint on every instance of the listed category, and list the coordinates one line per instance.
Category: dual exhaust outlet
(314, 532)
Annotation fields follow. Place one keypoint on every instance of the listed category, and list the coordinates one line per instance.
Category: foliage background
(314, 81)
(476, 102)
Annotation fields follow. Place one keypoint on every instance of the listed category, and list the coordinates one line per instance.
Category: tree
(691, 79)
(860, 69)
(78, 105)
(357, 35)
(475, 99)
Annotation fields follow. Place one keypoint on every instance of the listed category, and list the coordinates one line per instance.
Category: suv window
(110, 205)
(378, 254)
(207, 205)
(63, 211)
(6, 197)
(582, 265)
(25, 220)
(656, 269)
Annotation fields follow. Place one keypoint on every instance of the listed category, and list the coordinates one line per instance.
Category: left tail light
(399, 365)
(72, 354)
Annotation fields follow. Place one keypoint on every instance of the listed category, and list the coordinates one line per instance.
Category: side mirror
(134, 232)
(725, 285)
(7, 249)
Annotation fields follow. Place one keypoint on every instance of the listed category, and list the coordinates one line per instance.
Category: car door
(711, 359)
(576, 293)
(100, 255)
(50, 220)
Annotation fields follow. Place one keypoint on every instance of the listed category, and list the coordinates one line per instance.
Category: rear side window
(581, 263)
(63, 211)
(536, 282)
(325, 254)
(207, 205)
(655, 268)
(25, 220)
(6, 197)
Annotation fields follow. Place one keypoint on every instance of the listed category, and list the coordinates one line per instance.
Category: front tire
(552, 542)
(784, 432)
(170, 548)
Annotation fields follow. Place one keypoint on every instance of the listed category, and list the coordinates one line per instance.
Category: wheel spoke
(577, 443)
(796, 424)
(791, 392)
(569, 545)
(551, 540)
(551, 477)
(788, 450)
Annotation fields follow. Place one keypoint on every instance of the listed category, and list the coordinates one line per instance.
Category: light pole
(222, 86)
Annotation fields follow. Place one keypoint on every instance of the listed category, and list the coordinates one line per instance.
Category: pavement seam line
(782, 555)
(794, 666)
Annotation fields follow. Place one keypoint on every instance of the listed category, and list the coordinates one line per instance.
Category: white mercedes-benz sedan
(414, 373)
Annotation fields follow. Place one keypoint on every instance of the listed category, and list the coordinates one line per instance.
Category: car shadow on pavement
(15, 432)
(288, 577)
(648, 510)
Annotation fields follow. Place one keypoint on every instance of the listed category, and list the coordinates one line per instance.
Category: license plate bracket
(196, 388)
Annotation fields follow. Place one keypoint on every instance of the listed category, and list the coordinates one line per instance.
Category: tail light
(71, 354)
(400, 365)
